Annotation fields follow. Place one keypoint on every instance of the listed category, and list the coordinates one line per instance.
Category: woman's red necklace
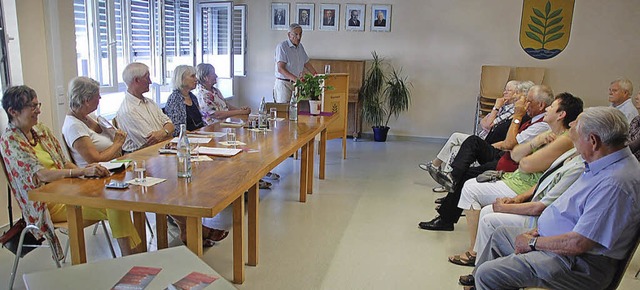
(33, 135)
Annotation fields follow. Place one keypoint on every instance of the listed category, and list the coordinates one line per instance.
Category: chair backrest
(492, 80)
(66, 147)
(281, 109)
(624, 263)
(534, 74)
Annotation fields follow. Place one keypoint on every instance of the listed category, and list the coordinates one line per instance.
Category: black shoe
(436, 224)
(439, 200)
(467, 280)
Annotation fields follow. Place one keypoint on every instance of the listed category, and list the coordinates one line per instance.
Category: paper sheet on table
(259, 130)
(194, 140)
(148, 181)
(237, 143)
(200, 134)
(115, 165)
(218, 151)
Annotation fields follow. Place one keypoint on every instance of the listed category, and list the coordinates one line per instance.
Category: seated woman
(33, 157)
(215, 107)
(182, 105)
(493, 128)
(534, 158)
(89, 141)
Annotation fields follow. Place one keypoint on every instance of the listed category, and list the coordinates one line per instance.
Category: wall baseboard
(439, 140)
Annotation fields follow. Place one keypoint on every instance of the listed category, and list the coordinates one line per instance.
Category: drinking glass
(273, 113)
(327, 69)
(140, 170)
(231, 136)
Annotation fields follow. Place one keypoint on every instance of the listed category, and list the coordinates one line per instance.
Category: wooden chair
(534, 74)
(282, 110)
(62, 227)
(492, 82)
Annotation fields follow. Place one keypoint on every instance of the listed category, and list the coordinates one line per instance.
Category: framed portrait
(381, 18)
(279, 16)
(354, 17)
(304, 15)
(329, 16)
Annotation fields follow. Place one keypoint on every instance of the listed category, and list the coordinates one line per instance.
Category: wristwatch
(495, 109)
(166, 131)
(516, 121)
(532, 243)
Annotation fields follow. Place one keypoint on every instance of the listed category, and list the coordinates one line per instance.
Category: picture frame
(354, 17)
(305, 13)
(329, 17)
(279, 16)
(380, 18)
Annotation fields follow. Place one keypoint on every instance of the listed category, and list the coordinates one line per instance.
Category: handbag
(11, 238)
(490, 176)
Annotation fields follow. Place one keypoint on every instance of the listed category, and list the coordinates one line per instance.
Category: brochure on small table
(193, 281)
(137, 278)
(115, 165)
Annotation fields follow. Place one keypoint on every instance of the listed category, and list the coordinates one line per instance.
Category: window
(4, 64)
(160, 33)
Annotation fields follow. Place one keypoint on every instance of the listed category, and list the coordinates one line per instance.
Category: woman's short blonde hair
(178, 75)
(81, 89)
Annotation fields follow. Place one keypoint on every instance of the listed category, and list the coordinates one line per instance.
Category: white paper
(200, 134)
(114, 165)
(218, 151)
(193, 140)
(148, 181)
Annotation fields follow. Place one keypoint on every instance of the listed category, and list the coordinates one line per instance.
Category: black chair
(624, 263)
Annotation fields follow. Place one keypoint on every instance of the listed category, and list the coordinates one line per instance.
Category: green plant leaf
(537, 21)
(535, 28)
(554, 22)
(534, 37)
(538, 13)
(547, 8)
(555, 13)
(555, 37)
(555, 29)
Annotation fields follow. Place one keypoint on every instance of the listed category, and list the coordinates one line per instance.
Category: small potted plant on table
(310, 87)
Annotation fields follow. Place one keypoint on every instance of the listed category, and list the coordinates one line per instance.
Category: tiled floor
(357, 231)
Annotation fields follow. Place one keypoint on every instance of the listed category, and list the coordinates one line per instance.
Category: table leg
(254, 230)
(194, 235)
(311, 158)
(238, 240)
(161, 231)
(304, 162)
(323, 153)
(139, 224)
(76, 235)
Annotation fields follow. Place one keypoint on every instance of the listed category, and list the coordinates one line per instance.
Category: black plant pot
(380, 133)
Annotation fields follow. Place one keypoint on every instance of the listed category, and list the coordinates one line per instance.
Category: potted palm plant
(382, 97)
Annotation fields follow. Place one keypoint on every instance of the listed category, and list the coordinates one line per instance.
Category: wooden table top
(214, 186)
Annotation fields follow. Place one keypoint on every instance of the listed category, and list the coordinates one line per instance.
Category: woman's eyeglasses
(35, 106)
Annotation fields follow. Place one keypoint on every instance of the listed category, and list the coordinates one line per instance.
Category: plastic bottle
(262, 113)
(293, 108)
(184, 154)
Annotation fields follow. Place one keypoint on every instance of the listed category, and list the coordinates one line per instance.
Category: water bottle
(293, 108)
(184, 154)
(262, 113)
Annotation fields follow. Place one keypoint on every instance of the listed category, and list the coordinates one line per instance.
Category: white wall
(441, 46)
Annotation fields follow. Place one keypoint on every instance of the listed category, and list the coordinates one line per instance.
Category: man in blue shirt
(582, 235)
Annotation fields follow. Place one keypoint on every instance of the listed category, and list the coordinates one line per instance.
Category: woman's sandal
(467, 280)
(470, 260)
(264, 184)
(273, 176)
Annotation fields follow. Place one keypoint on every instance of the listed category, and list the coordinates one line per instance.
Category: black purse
(11, 238)
(490, 176)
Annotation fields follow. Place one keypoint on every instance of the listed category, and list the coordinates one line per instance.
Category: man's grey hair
(543, 94)
(608, 123)
(81, 89)
(178, 75)
(293, 27)
(134, 70)
(625, 84)
(524, 86)
(202, 71)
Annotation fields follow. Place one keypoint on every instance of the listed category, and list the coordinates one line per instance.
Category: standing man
(291, 60)
(141, 117)
(583, 234)
(353, 21)
(620, 92)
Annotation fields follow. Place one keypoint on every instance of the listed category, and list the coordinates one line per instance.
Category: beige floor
(357, 231)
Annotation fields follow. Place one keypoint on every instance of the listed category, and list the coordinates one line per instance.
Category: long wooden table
(214, 186)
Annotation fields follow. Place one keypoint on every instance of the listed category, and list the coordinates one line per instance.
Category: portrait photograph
(304, 15)
(329, 16)
(354, 17)
(381, 18)
(279, 16)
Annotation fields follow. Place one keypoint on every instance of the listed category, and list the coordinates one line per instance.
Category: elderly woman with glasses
(213, 104)
(89, 139)
(33, 157)
(182, 105)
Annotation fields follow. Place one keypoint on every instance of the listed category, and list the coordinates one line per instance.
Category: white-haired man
(140, 117)
(620, 92)
(291, 60)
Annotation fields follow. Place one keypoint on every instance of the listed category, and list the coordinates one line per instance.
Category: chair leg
(636, 276)
(106, 233)
(95, 229)
(148, 225)
(14, 269)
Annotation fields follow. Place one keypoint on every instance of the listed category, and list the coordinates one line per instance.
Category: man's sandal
(469, 260)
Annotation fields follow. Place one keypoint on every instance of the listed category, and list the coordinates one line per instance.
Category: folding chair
(534, 74)
(492, 82)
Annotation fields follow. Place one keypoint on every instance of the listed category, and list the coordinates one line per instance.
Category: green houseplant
(383, 96)
(309, 87)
